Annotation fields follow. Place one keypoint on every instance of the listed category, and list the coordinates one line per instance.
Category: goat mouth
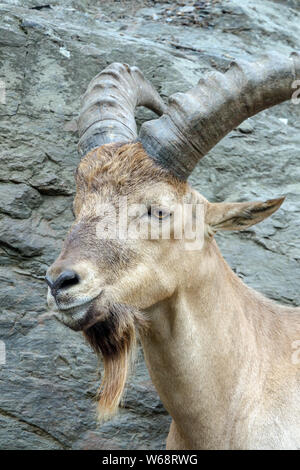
(80, 317)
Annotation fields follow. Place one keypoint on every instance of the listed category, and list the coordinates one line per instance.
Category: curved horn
(197, 120)
(108, 105)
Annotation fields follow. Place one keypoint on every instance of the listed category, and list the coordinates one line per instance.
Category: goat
(219, 353)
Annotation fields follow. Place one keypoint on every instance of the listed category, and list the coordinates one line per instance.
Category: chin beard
(114, 338)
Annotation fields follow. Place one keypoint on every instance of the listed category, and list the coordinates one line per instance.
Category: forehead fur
(122, 169)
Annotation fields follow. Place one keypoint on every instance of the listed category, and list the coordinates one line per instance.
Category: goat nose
(66, 279)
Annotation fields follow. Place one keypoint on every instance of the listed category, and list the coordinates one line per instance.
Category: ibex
(219, 354)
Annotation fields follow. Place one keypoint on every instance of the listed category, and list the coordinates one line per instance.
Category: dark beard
(114, 338)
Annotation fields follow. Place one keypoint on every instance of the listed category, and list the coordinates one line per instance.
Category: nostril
(65, 280)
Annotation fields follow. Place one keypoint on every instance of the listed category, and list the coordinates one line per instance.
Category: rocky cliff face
(48, 54)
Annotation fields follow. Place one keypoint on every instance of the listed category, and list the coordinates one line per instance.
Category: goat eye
(158, 212)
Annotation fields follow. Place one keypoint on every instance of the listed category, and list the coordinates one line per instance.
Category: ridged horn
(197, 120)
(108, 106)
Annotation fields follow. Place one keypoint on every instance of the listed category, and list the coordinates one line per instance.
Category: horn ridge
(108, 106)
(197, 120)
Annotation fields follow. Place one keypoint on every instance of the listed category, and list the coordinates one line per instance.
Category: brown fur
(114, 338)
(122, 169)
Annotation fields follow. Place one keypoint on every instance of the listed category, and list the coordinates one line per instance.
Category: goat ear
(239, 216)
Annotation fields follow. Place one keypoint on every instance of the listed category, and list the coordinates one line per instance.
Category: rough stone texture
(47, 57)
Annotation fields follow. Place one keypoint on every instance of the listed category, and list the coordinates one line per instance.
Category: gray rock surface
(47, 58)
